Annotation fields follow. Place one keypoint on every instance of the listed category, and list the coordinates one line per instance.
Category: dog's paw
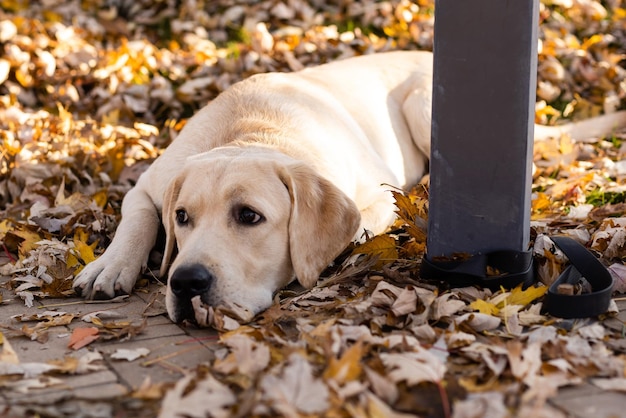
(107, 277)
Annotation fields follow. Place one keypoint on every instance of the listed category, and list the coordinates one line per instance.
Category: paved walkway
(173, 349)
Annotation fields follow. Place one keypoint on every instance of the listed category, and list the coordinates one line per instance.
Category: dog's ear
(169, 199)
(322, 224)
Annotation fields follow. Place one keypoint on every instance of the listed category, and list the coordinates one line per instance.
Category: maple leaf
(412, 210)
(523, 297)
(383, 247)
(484, 307)
(247, 356)
(347, 367)
(83, 253)
(202, 396)
(29, 239)
(414, 367)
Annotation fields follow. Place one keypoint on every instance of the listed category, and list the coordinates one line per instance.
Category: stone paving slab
(169, 358)
(596, 405)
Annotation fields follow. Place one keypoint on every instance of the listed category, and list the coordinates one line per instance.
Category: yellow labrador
(275, 177)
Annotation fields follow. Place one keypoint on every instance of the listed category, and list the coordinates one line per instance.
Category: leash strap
(585, 265)
(510, 268)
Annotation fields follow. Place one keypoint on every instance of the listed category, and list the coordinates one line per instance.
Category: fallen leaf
(83, 336)
(295, 389)
(347, 367)
(31, 385)
(523, 297)
(150, 391)
(484, 307)
(383, 247)
(413, 367)
(247, 356)
(198, 397)
(618, 271)
(129, 354)
(405, 303)
(382, 386)
(8, 354)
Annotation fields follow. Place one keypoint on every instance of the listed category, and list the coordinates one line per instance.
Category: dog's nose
(189, 281)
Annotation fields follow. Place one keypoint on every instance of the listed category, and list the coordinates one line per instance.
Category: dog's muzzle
(187, 282)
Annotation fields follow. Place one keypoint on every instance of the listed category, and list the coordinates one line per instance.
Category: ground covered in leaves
(92, 91)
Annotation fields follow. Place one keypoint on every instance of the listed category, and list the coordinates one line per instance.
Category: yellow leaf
(541, 202)
(619, 14)
(101, 198)
(524, 297)
(4, 228)
(24, 77)
(82, 251)
(595, 39)
(15, 5)
(381, 246)
(545, 112)
(30, 240)
(72, 261)
(484, 307)
(51, 16)
(96, 321)
(346, 368)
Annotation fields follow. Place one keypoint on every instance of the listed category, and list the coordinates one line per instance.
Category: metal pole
(485, 59)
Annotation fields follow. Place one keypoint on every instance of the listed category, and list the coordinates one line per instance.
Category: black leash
(510, 268)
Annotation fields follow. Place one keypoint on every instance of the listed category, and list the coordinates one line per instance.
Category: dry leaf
(413, 367)
(295, 390)
(348, 367)
(383, 247)
(247, 356)
(129, 354)
(8, 354)
(524, 297)
(83, 336)
(198, 397)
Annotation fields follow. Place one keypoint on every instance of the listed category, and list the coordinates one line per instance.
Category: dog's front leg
(115, 272)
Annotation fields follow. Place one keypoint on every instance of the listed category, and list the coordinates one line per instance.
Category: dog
(275, 177)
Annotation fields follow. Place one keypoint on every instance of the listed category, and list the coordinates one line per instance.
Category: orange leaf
(83, 336)
(413, 212)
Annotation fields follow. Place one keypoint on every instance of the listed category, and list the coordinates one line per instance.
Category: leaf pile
(91, 91)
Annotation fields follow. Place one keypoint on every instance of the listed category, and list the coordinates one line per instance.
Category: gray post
(485, 59)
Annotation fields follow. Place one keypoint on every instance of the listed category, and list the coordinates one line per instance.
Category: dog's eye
(249, 217)
(182, 218)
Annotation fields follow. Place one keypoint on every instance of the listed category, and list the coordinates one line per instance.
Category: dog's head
(245, 222)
